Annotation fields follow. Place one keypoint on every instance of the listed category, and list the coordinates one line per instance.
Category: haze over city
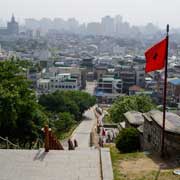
(136, 12)
(89, 90)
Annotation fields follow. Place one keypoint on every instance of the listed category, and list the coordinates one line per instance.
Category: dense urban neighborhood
(77, 103)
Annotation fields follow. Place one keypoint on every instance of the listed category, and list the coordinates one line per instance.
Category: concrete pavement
(82, 132)
(107, 171)
(54, 165)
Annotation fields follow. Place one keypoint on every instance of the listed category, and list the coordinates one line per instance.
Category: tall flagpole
(165, 92)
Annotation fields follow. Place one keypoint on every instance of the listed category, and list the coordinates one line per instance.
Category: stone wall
(127, 124)
(172, 143)
(152, 136)
(152, 139)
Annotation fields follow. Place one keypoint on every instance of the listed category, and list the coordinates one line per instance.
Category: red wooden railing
(51, 141)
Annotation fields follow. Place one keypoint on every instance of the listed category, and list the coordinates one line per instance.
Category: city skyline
(138, 12)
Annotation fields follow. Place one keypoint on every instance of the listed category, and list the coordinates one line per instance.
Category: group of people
(106, 135)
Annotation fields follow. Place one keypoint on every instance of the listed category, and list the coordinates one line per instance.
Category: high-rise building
(108, 26)
(72, 25)
(13, 26)
(118, 24)
(94, 28)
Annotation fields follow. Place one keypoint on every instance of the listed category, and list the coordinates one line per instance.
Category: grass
(121, 174)
(67, 134)
(116, 157)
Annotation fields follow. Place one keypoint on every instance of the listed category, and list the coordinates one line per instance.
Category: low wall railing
(8, 144)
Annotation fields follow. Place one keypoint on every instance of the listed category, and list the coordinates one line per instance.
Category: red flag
(156, 56)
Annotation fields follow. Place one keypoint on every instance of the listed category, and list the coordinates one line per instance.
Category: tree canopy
(123, 104)
(74, 102)
(21, 117)
(64, 122)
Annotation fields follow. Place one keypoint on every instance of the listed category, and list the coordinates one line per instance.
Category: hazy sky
(136, 12)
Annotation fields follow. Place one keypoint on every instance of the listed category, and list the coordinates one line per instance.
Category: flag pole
(165, 92)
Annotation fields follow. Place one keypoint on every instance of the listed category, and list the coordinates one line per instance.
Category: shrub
(128, 140)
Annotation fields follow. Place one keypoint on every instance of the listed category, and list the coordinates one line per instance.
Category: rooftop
(172, 123)
(109, 79)
(44, 80)
(145, 92)
(134, 117)
(64, 74)
(122, 124)
(112, 95)
(175, 81)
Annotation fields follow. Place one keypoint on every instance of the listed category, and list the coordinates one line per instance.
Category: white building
(78, 73)
(62, 81)
(43, 86)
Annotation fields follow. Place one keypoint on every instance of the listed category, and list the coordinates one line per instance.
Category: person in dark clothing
(70, 145)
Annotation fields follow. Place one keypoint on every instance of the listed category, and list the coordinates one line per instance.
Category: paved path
(54, 165)
(106, 164)
(82, 132)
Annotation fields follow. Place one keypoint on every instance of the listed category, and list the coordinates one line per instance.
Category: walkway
(82, 132)
(54, 165)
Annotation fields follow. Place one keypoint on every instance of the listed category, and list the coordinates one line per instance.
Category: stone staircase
(83, 163)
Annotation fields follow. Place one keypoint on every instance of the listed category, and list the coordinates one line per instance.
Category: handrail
(37, 140)
(9, 142)
(51, 141)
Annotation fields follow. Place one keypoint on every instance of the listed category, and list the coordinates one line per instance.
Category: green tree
(83, 100)
(58, 102)
(74, 102)
(21, 117)
(65, 122)
(128, 140)
(139, 103)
